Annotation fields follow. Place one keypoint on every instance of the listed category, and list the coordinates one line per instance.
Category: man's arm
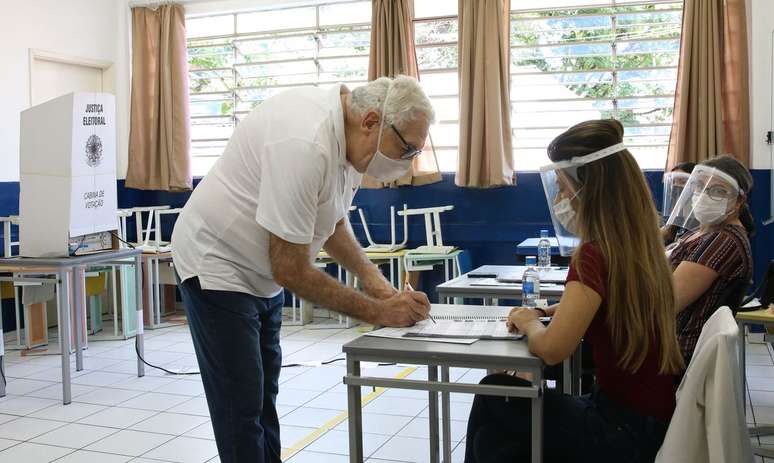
(343, 247)
(292, 269)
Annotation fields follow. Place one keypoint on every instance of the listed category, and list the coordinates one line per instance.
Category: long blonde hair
(615, 211)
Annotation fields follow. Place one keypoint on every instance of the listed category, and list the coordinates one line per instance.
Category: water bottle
(530, 284)
(544, 250)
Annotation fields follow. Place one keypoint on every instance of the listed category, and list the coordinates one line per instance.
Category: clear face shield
(562, 187)
(708, 198)
(674, 184)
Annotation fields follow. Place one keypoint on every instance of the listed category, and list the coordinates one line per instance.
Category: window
(571, 62)
(238, 60)
(435, 36)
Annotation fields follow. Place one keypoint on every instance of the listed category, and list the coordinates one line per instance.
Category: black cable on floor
(290, 365)
(179, 373)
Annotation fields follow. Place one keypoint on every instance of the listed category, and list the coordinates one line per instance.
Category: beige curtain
(159, 135)
(712, 107)
(486, 157)
(392, 53)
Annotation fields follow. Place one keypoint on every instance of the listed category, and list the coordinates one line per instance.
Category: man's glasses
(411, 150)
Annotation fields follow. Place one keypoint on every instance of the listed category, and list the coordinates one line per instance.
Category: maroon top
(646, 391)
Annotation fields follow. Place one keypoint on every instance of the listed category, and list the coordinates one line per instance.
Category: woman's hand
(520, 318)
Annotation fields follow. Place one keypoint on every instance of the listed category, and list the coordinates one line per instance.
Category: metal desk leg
(576, 362)
(446, 417)
(78, 278)
(63, 293)
(743, 364)
(432, 375)
(16, 299)
(567, 379)
(2, 354)
(156, 289)
(140, 339)
(355, 414)
(114, 293)
(537, 420)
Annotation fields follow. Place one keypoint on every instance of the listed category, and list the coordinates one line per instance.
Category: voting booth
(67, 201)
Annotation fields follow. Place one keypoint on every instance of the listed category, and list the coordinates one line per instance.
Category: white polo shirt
(283, 171)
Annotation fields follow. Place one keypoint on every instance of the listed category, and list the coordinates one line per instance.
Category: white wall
(761, 25)
(79, 28)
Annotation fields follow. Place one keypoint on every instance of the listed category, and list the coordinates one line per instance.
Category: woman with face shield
(712, 261)
(618, 298)
(674, 183)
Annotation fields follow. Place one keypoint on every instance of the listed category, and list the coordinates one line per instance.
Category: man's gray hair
(406, 100)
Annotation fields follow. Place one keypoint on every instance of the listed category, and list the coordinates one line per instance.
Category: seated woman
(712, 263)
(674, 183)
(618, 298)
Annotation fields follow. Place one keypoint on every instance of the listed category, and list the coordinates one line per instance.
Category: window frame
(232, 88)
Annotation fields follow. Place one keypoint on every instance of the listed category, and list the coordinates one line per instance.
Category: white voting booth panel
(68, 172)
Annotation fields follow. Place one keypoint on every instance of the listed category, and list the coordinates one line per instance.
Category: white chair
(157, 237)
(8, 245)
(122, 215)
(433, 233)
(708, 425)
(143, 228)
(393, 245)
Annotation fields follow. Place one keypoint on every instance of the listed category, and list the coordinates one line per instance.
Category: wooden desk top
(762, 315)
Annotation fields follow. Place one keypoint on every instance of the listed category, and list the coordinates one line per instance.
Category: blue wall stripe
(489, 222)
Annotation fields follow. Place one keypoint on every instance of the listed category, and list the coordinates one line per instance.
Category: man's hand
(379, 288)
(403, 309)
(291, 269)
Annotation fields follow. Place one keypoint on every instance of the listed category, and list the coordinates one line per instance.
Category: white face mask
(707, 210)
(565, 214)
(381, 167)
(385, 169)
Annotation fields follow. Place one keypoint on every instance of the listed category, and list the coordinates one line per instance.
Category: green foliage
(577, 40)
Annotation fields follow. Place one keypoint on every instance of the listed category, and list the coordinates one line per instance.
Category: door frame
(44, 55)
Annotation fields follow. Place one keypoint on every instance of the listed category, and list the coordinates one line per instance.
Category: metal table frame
(62, 269)
(759, 317)
(502, 355)
(461, 287)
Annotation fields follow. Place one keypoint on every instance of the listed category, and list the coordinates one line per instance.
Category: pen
(407, 285)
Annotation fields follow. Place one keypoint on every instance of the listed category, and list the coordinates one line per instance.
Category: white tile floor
(116, 417)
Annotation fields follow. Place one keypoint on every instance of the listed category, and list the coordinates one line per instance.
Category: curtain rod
(283, 3)
(157, 3)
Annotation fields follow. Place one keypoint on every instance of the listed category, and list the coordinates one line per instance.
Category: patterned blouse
(725, 250)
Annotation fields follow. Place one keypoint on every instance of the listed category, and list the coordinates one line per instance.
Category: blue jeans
(237, 341)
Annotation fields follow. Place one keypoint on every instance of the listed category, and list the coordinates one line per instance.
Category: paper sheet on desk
(502, 284)
(546, 276)
(398, 333)
(480, 327)
(752, 304)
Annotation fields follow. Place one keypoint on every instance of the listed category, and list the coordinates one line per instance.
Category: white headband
(581, 160)
(715, 172)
